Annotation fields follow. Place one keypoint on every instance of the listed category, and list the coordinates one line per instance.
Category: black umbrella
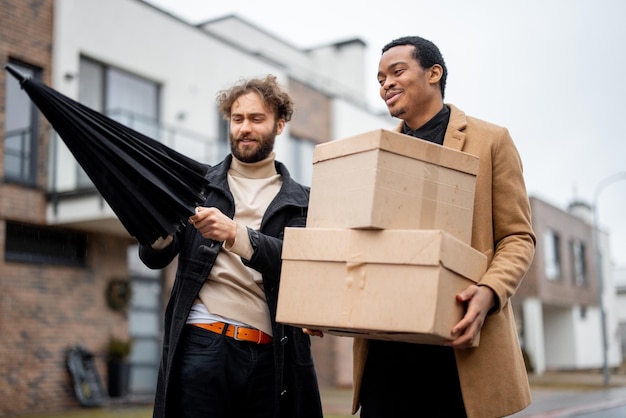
(152, 188)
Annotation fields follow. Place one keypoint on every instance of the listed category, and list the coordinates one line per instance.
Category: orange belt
(237, 332)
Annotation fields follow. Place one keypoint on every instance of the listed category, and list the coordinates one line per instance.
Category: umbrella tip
(15, 73)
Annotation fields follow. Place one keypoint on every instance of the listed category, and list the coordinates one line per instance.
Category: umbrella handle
(15, 73)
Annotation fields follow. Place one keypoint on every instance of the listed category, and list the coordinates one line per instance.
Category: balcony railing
(18, 155)
(203, 148)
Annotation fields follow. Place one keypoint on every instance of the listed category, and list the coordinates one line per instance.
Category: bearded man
(224, 355)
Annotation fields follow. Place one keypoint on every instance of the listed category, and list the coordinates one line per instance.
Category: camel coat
(493, 376)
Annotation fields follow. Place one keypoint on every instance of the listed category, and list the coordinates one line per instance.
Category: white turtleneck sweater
(234, 293)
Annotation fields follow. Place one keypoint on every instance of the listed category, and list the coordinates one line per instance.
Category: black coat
(297, 392)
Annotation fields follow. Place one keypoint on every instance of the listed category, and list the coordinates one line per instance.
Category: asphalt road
(583, 403)
(555, 395)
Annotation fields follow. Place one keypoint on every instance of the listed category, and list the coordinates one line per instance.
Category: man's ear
(280, 125)
(435, 73)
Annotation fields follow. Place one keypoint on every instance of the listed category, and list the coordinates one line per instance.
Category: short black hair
(425, 53)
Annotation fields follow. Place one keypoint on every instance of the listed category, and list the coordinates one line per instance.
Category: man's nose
(246, 125)
(387, 84)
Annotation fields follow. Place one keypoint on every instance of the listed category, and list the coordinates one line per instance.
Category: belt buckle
(235, 335)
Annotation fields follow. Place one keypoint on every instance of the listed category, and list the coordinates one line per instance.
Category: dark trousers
(220, 377)
(410, 380)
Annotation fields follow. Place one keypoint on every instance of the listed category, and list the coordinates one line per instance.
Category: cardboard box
(397, 285)
(387, 180)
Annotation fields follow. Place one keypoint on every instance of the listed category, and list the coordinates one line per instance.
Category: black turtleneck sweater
(433, 130)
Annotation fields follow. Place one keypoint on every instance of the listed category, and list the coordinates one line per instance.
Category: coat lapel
(455, 134)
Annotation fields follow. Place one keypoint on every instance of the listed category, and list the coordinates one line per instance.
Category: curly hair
(268, 89)
(426, 53)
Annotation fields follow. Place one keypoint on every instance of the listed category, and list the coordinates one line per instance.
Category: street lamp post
(596, 233)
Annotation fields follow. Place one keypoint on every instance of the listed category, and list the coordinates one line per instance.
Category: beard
(265, 146)
(396, 113)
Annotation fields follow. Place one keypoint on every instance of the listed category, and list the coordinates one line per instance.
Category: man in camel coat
(414, 380)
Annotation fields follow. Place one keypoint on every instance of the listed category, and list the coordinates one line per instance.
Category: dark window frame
(553, 265)
(32, 244)
(578, 251)
(127, 117)
(28, 161)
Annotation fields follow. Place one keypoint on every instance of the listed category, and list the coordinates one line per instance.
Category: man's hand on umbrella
(213, 224)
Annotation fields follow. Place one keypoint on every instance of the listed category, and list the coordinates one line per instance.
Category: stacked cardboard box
(387, 180)
(386, 245)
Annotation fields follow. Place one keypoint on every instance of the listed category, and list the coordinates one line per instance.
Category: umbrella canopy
(152, 188)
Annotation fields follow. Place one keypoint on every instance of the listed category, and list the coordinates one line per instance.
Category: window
(144, 323)
(579, 263)
(132, 100)
(125, 97)
(34, 244)
(551, 255)
(302, 169)
(21, 130)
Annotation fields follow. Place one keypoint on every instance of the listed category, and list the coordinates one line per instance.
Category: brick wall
(44, 310)
(21, 204)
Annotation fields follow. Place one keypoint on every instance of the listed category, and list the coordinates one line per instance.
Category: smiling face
(253, 128)
(410, 92)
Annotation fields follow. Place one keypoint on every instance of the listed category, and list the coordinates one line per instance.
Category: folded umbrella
(152, 188)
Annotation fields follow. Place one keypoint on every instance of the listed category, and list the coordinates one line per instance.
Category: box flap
(397, 143)
(455, 256)
(415, 247)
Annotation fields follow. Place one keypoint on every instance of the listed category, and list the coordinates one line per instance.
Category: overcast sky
(551, 71)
